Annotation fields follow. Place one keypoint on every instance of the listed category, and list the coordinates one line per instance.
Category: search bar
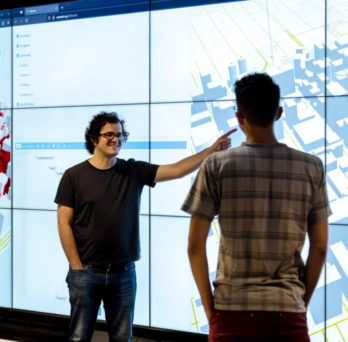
(54, 8)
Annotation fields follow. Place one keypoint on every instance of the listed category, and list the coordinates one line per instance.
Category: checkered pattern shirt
(265, 195)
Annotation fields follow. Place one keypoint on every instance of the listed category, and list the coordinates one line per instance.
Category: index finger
(229, 133)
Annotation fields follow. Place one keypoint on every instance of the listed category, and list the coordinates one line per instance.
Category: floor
(100, 336)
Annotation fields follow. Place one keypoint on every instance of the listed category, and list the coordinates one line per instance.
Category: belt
(114, 267)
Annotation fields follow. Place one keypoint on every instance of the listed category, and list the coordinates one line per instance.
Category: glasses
(110, 136)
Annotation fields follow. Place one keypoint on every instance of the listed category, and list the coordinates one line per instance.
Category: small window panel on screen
(81, 53)
(45, 151)
(5, 159)
(180, 307)
(5, 60)
(5, 258)
(337, 48)
(210, 46)
(337, 157)
(336, 285)
(199, 124)
(51, 294)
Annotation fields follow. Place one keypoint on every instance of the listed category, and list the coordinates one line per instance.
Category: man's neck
(102, 163)
(262, 136)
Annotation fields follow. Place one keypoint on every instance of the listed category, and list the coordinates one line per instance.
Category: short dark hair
(258, 99)
(97, 123)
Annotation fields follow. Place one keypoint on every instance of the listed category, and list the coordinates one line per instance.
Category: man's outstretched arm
(199, 230)
(190, 164)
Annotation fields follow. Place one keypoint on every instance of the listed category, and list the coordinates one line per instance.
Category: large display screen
(168, 68)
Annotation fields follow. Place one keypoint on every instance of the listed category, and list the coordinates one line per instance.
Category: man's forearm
(314, 268)
(199, 266)
(69, 245)
(190, 164)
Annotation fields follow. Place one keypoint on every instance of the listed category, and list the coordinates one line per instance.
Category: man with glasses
(267, 197)
(98, 221)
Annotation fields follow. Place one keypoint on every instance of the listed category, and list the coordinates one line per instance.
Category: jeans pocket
(80, 270)
(294, 324)
(130, 266)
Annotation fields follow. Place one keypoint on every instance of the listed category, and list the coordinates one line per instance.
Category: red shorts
(248, 326)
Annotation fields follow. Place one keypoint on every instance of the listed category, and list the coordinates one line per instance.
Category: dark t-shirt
(106, 209)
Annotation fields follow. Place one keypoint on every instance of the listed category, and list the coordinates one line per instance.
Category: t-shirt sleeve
(66, 192)
(203, 199)
(321, 209)
(147, 172)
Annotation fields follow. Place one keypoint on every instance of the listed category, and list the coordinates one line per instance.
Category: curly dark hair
(97, 123)
(258, 99)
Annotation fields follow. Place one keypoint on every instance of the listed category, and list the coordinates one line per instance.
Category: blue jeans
(116, 286)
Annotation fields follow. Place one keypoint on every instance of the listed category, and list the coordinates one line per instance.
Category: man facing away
(267, 197)
(98, 221)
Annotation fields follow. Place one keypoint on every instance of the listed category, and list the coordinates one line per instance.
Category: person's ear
(280, 113)
(240, 119)
(94, 141)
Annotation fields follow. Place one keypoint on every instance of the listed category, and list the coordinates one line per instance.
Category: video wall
(168, 68)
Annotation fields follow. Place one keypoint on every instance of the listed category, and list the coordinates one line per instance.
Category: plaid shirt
(264, 196)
